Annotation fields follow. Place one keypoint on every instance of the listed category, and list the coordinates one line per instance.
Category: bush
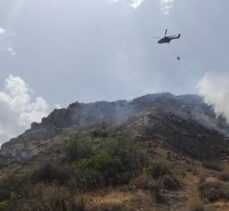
(212, 165)
(5, 205)
(48, 197)
(2, 162)
(13, 186)
(87, 179)
(146, 183)
(99, 133)
(214, 191)
(114, 162)
(49, 173)
(78, 147)
(170, 183)
(157, 169)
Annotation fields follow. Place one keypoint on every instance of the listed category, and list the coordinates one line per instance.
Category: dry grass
(224, 176)
(123, 201)
(218, 206)
(145, 201)
(176, 191)
(196, 204)
(214, 191)
(112, 201)
(47, 198)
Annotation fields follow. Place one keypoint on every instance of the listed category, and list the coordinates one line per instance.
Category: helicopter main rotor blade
(157, 37)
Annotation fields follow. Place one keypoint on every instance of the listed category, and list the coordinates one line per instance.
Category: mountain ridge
(117, 111)
(156, 147)
(106, 114)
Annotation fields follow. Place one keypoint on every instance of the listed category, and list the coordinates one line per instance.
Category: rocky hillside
(189, 109)
(156, 152)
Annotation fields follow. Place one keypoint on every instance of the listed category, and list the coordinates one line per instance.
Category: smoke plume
(214, 88)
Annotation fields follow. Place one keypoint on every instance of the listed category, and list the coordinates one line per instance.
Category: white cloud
(18, 108)
(166, 6)
(214, 88)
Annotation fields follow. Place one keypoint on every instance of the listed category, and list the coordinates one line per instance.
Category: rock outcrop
(42, 136)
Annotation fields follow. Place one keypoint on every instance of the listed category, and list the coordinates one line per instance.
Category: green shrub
(78, 147)
(2, 162)
(99, 133)
(12, 185)
(87, 179)
(49, 173)
(114, 162)
(102, 170)
(132, 156)
(212, 165)
(48, 197)
(157, 169)
(4, 205)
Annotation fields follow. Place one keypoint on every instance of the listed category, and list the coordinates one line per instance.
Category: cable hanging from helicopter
(168, 39)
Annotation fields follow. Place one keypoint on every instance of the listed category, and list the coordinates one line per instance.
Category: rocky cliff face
(185, 137)
(42, 136)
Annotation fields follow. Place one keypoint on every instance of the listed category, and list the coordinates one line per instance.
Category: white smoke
(214, 88)
(166, 6)
(18, 108)
(136, 3)
(133, 3)
(6, 42)
(2, 31)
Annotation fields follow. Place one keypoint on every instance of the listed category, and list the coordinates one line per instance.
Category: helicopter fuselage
(167, 39)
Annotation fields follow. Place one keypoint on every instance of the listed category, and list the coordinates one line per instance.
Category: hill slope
(156, 152)
(188, 108)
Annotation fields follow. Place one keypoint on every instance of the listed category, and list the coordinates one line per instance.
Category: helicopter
(167, 39)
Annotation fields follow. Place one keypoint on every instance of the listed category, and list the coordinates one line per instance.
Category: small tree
(77, 148)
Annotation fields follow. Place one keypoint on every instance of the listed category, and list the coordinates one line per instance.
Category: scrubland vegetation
(101, 171)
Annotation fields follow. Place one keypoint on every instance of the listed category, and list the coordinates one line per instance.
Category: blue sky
(59, 51)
